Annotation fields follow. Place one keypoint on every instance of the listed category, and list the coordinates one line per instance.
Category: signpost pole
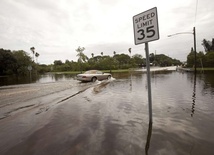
(148, 81)
(30, 69)
(30, 75)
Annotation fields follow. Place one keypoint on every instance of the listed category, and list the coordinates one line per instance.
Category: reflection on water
(13, 80)
(45, 78)
(54, 77)
(194, 95)
(149, 134)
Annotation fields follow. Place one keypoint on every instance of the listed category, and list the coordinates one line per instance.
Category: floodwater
(67, 117)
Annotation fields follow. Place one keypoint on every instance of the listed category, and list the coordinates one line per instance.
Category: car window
(99, 72)
(90, 72)
(87, 72)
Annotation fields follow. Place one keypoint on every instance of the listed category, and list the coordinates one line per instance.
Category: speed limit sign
(146, 26)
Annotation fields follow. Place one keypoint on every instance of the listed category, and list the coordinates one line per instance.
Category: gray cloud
(57, 28)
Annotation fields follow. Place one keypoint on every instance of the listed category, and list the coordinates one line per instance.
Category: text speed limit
(146, 26)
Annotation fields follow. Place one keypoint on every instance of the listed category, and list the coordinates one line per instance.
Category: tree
(81, 55)
(208, 45)
(130, 51)
(163, 60)
(7, 62)
(138, 60)
(37, 55)
(209, 59)
(58, 63)
(92, 54)
(23, 60)
(33, 51)
(102, 53)
(97, 58)
(191, 59)
(151, 57)
(123, 60)
(201, 59)
(67, 61)
(114, 53)
(15, 62)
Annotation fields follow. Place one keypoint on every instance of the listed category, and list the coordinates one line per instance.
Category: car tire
(93, 79)
(109, 77)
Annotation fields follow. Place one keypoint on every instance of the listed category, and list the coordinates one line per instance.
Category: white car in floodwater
(93, 75)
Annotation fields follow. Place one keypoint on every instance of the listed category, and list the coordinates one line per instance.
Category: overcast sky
(57, 28)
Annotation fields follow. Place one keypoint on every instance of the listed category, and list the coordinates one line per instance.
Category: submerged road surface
(109, 117)
(69, 118)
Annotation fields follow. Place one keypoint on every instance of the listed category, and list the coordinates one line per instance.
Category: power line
(196, 9)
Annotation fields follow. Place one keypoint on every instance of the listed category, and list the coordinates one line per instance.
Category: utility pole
(194, 42)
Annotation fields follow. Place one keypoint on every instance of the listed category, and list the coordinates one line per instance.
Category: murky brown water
(109, 117)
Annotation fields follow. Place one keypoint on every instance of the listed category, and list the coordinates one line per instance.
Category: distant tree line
(202, 59)
(106, 62)
(17, 62)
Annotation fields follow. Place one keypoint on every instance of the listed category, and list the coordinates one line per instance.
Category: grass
(119, 71)
(106, 71)
(116, 71)
(205, 69)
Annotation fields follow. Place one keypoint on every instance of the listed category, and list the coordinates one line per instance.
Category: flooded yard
(61, 116)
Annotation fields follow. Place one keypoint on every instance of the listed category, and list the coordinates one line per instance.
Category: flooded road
(109, 117)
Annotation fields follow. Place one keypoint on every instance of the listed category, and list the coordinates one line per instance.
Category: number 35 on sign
(146, 26)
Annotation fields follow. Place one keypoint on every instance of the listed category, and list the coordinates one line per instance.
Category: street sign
(29, 67)
(146, 30)
(146, 26)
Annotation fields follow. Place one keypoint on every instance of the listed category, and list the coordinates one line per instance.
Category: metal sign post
(148, 81)
(30, 69)
(146, 30)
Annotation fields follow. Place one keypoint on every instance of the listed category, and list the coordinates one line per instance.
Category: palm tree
(102, 53)
(33, 51)
(37, 55)
(81, 55)
(130, 51)
(92, 54)
(114, 52)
